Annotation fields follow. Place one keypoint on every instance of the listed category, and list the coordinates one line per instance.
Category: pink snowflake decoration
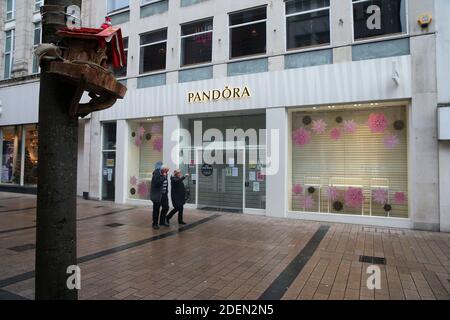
(309, 202)
(354, 197)
(350, 126)
(377, 122)
(333, 193)
(156, 129)
(391, 141)
(158, 144)
(336, 134)
(380, 196)
(138, 141)
(319, 126)
(143, 189)
(133, 181)
(400, 198)
(297, 189)
(301, 137)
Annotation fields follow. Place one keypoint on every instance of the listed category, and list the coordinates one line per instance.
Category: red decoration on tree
(107, 23)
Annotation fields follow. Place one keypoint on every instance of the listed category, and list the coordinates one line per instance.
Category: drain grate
(372, 260)
(26, 247)
(114, 225)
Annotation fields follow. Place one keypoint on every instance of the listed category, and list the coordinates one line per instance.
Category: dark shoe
(168, 221)
(182, 223)
(164, 225)
(156, 227)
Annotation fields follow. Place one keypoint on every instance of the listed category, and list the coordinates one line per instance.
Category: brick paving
(225, 256)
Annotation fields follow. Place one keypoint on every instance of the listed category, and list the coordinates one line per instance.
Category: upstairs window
(9, 53)
(153, 51)
(379, 18)
(196, 42)
(37, 39)
(117, 5)
(122, 72)
(38, 4)
(248, 32)
(10, 8)
(307, 23)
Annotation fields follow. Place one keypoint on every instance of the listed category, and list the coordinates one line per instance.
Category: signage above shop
(228, 93)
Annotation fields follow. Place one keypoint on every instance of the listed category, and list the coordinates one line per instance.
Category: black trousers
(164, 204)
(178, 209)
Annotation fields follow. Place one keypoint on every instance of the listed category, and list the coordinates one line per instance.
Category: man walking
(156, 192)
(164, 197)
(178, 196)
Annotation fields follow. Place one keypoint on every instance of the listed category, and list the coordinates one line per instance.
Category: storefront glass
(11, 154)
(31, 155)
(350, 160)
(145, 150)
(109, 161)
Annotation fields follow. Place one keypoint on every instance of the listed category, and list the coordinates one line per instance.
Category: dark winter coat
(156, 187)
(178, 191)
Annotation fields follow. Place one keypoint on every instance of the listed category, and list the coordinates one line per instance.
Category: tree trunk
(56, 240)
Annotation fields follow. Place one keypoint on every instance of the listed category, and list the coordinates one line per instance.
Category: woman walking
(178, 196)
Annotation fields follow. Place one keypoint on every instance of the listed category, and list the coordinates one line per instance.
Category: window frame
(230, 27)
(194, 65)
(149, 2)
(11, 53)
(150, 44)
(12, 11)
(116, 11)
(126, 51)
(35, 46)
(383, 37)
(309, 48)
(36, 2)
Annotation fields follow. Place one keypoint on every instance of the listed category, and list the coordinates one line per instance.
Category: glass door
(220, 186)
(109, 162)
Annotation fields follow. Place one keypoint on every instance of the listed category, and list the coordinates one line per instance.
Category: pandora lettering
(213, 95)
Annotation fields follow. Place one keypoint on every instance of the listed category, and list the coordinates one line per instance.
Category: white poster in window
(194, 177)
(105, 172)
(256, 187)
(231, 162)
(252, 176)
(110, 174)
(235, 172)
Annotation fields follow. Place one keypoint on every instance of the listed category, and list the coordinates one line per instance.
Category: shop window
(31, 155)
(122, 72)
(378, 18)
(117, 5)
(196, 42)
(307, 23)
(152, 7)
(153, 51)
(248, 32)
(9, 53)
(145, 150)
(350, 161)
(11, 155)
(109, 161)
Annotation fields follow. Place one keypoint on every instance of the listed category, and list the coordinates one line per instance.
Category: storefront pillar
(444, 185)
(95, 157)
(121, 161)
(171, 157)
(277, 153)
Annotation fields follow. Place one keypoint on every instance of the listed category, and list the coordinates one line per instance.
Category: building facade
(330, 110)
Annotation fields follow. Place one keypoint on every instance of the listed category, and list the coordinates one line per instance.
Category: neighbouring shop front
(19, 156)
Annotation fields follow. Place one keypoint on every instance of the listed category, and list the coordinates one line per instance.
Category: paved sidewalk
(226, 256)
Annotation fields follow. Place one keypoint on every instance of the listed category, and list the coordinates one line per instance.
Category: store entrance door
(220, 187)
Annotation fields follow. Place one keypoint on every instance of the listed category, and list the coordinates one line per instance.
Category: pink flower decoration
(138, 141)
(350, 126)
(319, 126)
(336, 134)
(301, 137)
(141, 131)
(309, 202)
(380, 196)
(391, 141)
(354, 197)
(158, 144)
(133, 181)
(333, 193)
(297, 189)
(400, 198)
(377, 122)
(143, 189)
(156, 129)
